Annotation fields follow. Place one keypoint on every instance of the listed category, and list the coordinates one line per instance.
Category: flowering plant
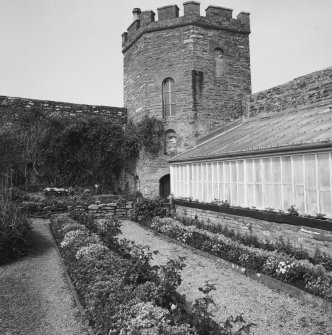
(76, 238)
(91, 252)
(273, 263)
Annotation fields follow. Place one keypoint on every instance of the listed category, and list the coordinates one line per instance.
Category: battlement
(219, 18)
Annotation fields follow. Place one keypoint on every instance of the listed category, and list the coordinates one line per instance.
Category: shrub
(75, 239)
(147, 209)
(91, 252)
(145, 318)
(14, 231)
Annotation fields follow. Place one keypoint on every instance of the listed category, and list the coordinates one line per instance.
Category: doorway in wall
(165, 186)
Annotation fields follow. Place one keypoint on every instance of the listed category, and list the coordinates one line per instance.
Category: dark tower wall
(208, 59)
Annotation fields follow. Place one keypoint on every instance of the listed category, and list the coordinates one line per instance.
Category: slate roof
(298, 130)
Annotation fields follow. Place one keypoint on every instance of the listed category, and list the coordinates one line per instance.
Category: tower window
(219, 61)
(169, 107)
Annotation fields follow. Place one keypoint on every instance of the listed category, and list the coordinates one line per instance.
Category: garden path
(274, 312)
(35, 296)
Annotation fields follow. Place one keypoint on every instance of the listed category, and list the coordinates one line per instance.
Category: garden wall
(308, 237)
(11, 109)
(308, 91)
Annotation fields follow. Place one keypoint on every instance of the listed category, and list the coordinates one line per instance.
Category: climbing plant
(80, 151)
(148, 133)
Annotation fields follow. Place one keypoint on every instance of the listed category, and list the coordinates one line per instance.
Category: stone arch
(170, 142)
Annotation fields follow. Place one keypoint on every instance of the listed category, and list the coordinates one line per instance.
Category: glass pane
(325, 203)
(276, 170)
(288, 196)
(167, 110)
(323, 171)
(250, 195)
(311, 200)
(240, 171)
(258, 171)
(233, 172)
(220, 171)
(172, 110)
(227, 172)
(299, 198)
(209, 172)
(165, 86)
(310, 172)
(242, 197)
(298, 169)
(167, 98)
(172, 97)
(259, 196)
(234, 199)
(286, 170)
(227, 192)
(266, 170)
(250, 170)
(276, 196)
(171, 84)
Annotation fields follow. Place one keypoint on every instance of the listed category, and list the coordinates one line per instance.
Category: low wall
(99, 210)
(308, 237)
(111, 209)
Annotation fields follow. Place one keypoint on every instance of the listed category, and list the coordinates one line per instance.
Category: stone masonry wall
(11, 109)
(209, 90)
(309, 238)
(311, 90)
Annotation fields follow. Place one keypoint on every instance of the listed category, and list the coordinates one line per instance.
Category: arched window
(169, 108)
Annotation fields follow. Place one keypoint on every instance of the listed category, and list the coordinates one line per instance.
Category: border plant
(301, 273)
(121, 292)
(15, 231)
(251, 240)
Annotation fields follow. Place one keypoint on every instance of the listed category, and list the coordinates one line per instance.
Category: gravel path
(35, 297)
(275, 313)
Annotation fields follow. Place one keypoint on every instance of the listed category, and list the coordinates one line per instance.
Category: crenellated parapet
(218, 18)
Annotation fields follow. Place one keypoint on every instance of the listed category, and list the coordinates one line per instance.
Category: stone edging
(264, 279)
(78, 304)
(260, 215)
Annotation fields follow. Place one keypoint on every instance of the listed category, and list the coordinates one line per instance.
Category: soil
(275, 313)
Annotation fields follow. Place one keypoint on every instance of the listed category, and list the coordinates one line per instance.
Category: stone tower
(192, 71)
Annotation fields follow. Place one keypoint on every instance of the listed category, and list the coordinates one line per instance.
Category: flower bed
(251, 240)
(301, 273)
(121, 292)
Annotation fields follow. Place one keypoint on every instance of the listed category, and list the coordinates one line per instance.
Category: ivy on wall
(149, 133)
(80, 151)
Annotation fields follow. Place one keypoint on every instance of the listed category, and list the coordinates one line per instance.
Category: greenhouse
(270, 161)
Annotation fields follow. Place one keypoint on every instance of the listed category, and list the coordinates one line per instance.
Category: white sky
(70, 50)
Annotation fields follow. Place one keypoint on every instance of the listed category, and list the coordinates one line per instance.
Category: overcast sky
(70, 50)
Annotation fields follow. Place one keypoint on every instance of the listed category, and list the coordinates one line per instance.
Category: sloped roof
(298, 130)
